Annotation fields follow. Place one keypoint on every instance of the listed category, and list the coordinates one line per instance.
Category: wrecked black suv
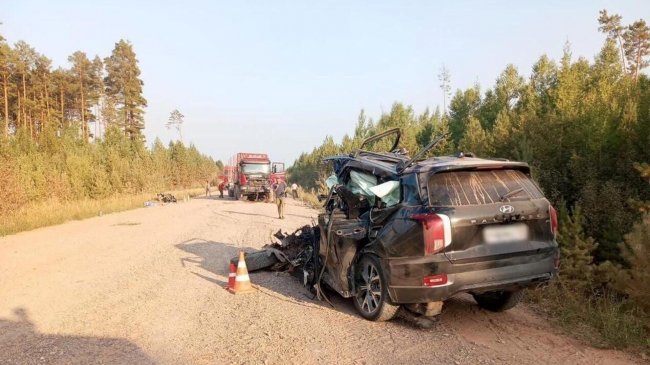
(400, 231)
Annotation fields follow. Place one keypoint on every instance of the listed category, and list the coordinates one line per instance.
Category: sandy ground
(146, 286)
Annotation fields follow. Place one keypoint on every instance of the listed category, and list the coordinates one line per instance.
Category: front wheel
(371, 300)
(499, 301)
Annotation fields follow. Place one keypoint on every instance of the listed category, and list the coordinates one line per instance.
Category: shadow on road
(211, 197)
(21, 343)
(251, 214)
(214, 258)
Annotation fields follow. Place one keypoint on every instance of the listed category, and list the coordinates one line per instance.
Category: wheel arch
(372, 250)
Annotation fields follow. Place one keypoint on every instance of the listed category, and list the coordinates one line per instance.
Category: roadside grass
(602, 320)
(310, 198)
(51, 212)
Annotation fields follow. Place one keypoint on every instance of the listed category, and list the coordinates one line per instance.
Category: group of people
(279, 189)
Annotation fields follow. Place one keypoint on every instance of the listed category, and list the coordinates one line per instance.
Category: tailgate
(494, 214)
(481, 233)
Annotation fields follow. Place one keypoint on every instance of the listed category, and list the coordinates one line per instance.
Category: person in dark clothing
(279, 189)
(222, 185)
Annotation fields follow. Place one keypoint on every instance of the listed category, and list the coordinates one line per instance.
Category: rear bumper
(405, 276)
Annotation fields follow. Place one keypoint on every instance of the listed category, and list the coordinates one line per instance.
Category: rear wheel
(499, 301)
(371, 300)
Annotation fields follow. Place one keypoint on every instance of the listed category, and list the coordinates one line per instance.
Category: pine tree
(81, 69)
(577, 250)
(5, 74)
(25, 60)
(611, 25)
(463, 105)
(503, 133)
(635, 280)
(176, 121)
(445, 86)
(124, 84)
(475, 139)
(637, 46)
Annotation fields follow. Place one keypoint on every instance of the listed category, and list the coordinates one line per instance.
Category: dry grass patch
(51, 212)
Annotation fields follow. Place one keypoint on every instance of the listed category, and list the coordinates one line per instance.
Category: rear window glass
(480, 187)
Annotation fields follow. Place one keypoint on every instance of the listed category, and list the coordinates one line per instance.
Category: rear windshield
(461, 188)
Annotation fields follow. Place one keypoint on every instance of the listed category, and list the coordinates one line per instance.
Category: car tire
(499, 301)
(371, 299)
(257, 260)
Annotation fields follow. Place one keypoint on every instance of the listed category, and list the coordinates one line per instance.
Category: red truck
(251, 175)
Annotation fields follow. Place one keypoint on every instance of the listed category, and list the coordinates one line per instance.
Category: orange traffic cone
(242, 281)
(231, 276)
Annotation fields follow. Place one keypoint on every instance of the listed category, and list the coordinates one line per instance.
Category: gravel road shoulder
(146, 286)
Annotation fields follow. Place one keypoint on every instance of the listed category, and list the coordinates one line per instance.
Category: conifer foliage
(76, 133)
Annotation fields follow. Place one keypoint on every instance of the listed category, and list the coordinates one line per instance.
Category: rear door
(494, 214)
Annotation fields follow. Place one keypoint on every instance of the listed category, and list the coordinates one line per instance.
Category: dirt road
(146, 286)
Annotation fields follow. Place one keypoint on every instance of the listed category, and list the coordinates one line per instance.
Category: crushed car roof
(384, 163)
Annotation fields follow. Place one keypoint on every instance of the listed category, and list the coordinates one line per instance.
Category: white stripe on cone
(241, 264)
(242, 278)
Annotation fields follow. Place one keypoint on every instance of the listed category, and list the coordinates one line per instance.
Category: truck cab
(250, 174)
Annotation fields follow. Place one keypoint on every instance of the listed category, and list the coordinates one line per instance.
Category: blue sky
(277, 76)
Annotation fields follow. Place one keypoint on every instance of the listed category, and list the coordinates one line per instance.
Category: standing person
(294, 190)
(279, 190)
(207, 187)
(221, 187)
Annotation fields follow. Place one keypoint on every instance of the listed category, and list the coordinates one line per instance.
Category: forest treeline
(583, 126)
(76, 133)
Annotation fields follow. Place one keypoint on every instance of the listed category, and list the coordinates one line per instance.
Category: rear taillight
(436, 230)
(435, 280)
(552, 214)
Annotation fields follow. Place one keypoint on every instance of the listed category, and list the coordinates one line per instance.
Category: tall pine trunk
(18, 112)
(84, 127)
(6, 99)
(47, 100)
(62, 93)
(24, 100)
(620, 45)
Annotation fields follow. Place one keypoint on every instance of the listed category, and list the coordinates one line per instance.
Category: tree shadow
(21, 343)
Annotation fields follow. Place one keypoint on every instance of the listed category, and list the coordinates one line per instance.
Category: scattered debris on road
(166, 198)
(288, 255)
